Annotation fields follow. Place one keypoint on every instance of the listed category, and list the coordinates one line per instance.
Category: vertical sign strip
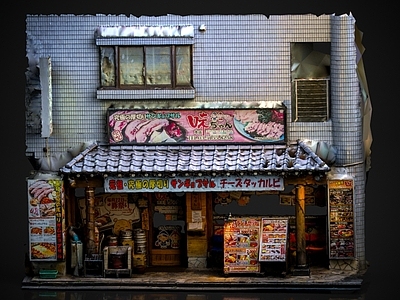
(341, 219)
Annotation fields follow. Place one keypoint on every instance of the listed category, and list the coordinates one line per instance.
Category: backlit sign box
(256, 125)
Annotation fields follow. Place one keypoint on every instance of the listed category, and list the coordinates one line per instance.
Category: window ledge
(145, 94)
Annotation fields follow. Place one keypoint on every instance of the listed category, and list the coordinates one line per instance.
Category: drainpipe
(91, 247)
(301, 267)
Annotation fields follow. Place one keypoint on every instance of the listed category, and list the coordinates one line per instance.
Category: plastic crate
(48, 274)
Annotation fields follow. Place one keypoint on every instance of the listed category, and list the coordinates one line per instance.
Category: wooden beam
(84, 182)
(301, 255)
(91, 247)
(305, 180)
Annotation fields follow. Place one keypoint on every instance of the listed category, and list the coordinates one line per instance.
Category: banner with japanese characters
(241, 245)
(193, 184)
(261, 125)
(46, 219)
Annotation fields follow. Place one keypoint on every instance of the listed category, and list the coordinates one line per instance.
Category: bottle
(73, 235)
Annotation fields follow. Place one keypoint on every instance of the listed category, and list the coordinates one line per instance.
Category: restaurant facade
(237, 143)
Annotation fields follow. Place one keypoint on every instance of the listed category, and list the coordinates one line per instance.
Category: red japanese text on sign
(191, 183)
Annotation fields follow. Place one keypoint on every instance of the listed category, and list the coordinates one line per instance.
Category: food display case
(241, 245)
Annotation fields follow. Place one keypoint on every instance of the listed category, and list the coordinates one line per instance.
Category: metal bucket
(126, 238)
(140, 241)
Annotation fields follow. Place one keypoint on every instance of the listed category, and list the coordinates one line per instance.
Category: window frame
(145, 86)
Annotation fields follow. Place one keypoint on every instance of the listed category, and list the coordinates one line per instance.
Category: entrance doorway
(167, 237)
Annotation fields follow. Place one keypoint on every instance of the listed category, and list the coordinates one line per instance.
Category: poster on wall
(341, 218)
(273, 243)
(241, 245)
(113, 211)
(46, 219)
(261, 125)
(167, 237)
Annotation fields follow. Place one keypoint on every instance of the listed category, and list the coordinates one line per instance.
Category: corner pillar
(301, 255)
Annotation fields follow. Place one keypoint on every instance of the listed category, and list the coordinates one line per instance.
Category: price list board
(273, 243)
(241, 244)
(341, 219)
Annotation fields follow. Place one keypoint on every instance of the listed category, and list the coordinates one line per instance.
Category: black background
(378, 21)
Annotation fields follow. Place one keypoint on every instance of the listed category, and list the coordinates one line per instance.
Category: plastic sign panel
(46, 219)
(273, 243)
(261, 125)
(241, 245)
(193, 184)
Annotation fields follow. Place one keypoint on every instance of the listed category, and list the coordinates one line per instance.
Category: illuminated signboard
(261, 125)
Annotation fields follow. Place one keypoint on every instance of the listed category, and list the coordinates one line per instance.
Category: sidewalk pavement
(318, 279)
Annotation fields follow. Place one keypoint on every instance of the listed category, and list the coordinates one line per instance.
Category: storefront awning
(195, 160)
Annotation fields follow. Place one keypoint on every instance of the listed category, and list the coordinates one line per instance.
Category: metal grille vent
(312, 100)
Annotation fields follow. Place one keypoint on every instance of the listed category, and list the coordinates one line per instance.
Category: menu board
(274, 232)
(341, 219)
(46, 219)
(241, 245)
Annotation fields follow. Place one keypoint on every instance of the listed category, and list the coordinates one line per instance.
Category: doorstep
(319, 279)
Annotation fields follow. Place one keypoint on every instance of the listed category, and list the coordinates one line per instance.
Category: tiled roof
(195, 159)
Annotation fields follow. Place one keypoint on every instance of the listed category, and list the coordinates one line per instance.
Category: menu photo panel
(341, 219)
(46, 219)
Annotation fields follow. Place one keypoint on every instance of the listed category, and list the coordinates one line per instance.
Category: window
(310, 82)
(146, 67)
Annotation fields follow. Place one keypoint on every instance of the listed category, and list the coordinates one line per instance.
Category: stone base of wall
(197, 262)
(344, 264)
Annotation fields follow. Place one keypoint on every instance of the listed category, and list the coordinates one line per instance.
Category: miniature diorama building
(240, 143)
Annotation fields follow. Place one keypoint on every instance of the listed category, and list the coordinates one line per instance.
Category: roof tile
(130, 159)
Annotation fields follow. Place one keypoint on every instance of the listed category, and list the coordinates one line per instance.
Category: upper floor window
(310, 82)
(146, 67)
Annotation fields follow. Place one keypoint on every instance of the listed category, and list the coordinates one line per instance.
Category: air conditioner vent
(312, 97)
